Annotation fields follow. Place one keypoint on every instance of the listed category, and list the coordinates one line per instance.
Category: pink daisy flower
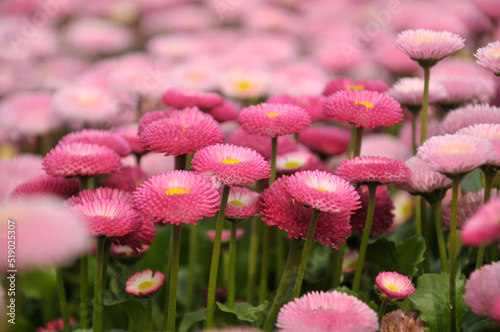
(273, 119)
(227, 111)
(99, 137)
(383, 218)
(385, 145)
(469, 115)
(366, 109)
(455, 154)
(226, 235)
(460, 90)
(312, 104)
(323, 192)
(483, 228)
(14, 172)
(80, 159)
(332, 311)
(130, 134)
(344, 83)
(151, 117)
(47, 185)
(294, 161)
(373, 169)
(181, 98)
(126, 178)
(145, 284)
(488, 131)
(278, 208)
(325, 140)
(262, 144)
(242, 203)
(183, 132)
(394, 286)
(482, 291)
(230, 164)
(42, 224)
(169, 197)
(89, 195)
(489, 57)
(428, 46)
(408, 91)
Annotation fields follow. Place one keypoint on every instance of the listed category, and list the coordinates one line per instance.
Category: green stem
(174, 274)
(436, 212)
(264, 265)
(372, 190)
(425, 234)
(231, 290)
(305, 255)
(61, 293)
(274, 153)
(167, 279)
(280, 253)
(101, 264)
(338, 265)
(350, 147)
(488, 181)
(252, 259)
(283, 285)
(381, 311)
(84, 292)
(418, 217)
(214, 266)
(192, 255)
(425, 104)
(359, 140)
(149, 308)
(453, 245)
(414, 132)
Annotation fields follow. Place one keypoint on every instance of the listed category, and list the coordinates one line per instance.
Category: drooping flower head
(326, 140)
(262, 144)
(455, 154)
(125, 252)
(344, 83)
(489, 57)
(483, 228)
(100, 137)
(242, 203)
(47, 185)
(144, 283)
(365, 170)
(469, 115)
(230, 164)
(294, 161)
(366, 109)
(408, 91)
(394, 286)
(80, 159)
(181, 98)
(183, 132)
(482, 291)
(273, 119)
(332, 311)
(383, 217)
(323, 192)
(170, 197)
(427, 46)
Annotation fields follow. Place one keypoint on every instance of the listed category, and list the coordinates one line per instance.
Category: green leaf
(364, 297)
(474, 323)
(432, 299)
(191, 319)
(139, 314)
(245, 311)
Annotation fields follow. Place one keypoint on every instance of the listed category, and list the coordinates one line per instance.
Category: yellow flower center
(272, 115)
(87, 99)
(292, 164)
(455, 149)
(176, 191)
(392, 288)
(196, 77)
(231, 161)
(321, 189)
(146, 285)
(102, 215)
(237, 203)
(183, 128)
(354, 87)
(244, 85)
(367, 104)
(138, 183)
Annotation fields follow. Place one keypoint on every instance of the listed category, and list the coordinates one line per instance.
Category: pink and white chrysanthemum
(295, 161)
(323, 192)
(262, 144)
(469, 115)
(108, 217)
(383, 217)
(89, 195)
(312, 104)
(482, 291)
(483, 228)
(273, 119)
(489, 57)
(126, 178)
(394, 286)
(428, 45)
(169, 197)
(231, 165)
(456, 154)
(408, 91)
(80, 159)
(325, 140)
(460, 90)
(344, 83)
(373, 170)
(151, 117)
(47, 185)
(242, 203)
(183, 132)
(489, 131)
(181, 98)
(327, 311)
(366, 109)
(144, 283)
(226, 235)
(99, 137)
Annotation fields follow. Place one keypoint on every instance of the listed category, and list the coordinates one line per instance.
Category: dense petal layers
(394, 285)
(373, 170)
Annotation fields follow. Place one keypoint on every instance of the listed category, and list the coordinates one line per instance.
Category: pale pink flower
(180, 98)
(196, 75)
(297, 78)
(469, 115)
(406, 135)
(489, 7)
(155, 163)
(408, 91)
(100, 137)
(242, 203)
(483, 228)
(385, 145)
(350, 261)
(144, 283)
(325, 140)
(227, 111)
(47, 185)
(488, 131)
(312, 104)
(489, 57)
(294, 161)
(15, 171)
(269, 48)
(244, 83)
(130, 134)
(482, 291)
(364, 170)
(120, 252)
(183, 17)
(101, 193)
(344, 83)
(394, 286)
(173, 46)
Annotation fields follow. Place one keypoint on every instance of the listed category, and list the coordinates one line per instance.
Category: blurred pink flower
(482, 291)
(385, 145)
(326, 140)
(130, 134)
(226, 235)
(408, 91)
(483, 228)
(104, 138)
(180, 98)
(488, 131)
(242, 203)
(489, 57)
(383, 218)
(364, 170)
(489, 7)
(227, 111)
(344, 83)
(297, 78)
(262, 144)
(126, 178)
(47, 185)
(312, 104)
(469, 115)
(14, 172)
(294, 161)
(244, 84)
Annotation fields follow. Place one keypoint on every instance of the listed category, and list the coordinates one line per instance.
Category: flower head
(326, 140)
(129, 134)
(312, 104)
(180, 98)
(242, 203)
(332, 311)
(295, 161)
(373, 170)
(408, 91)
(366, 109)
(482, 291)
(344, 83)
(273, 119)
(489, 131)
(145, 283)
(99, 137)
(126, 178)
(151, 117)
(262, 144)
(394, 286)
(47, 185)
(244, 83)
(383, 217)
(489, 57)
(169, 197)
(227, 111)
(483, 228)
(469, 115)
(230, 164)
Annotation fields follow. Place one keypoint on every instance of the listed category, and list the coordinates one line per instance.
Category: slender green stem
(414, 132)
(359, 140)
(305, 254)
(167, 279)
(252, 259)
(84, 292)
(274, 153)
(418, 217)
(231, 290)
(189, 158)
(149, 308)
(338, 265)
(264, 265)
(425, 234)
(372, 190)
(436, 212)
(174, 274)
(214, 266)
(453, 245)
(101, 264)
(283, 285)
(350, 147)
(488, 181)
(381, 311)
(61, 293)
(425, 104)
(192, 255)
(280, 253)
